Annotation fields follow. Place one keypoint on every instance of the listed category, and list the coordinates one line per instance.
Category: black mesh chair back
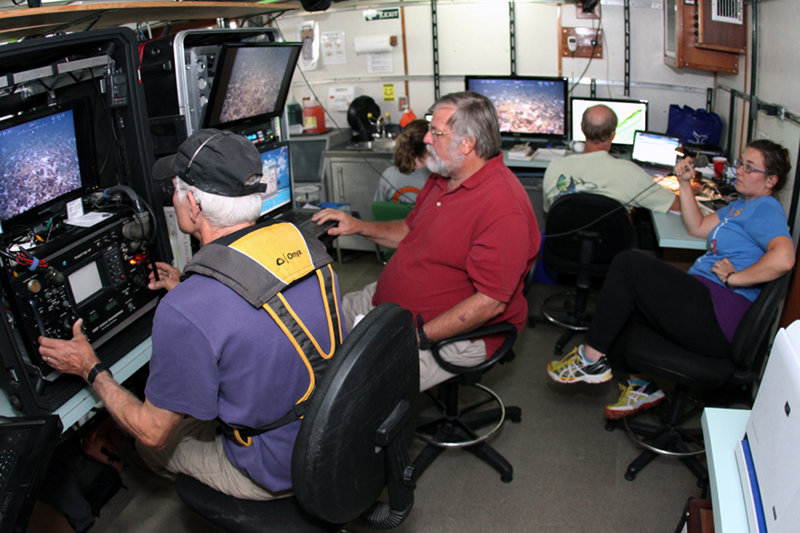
(583, 233)
(572, 219)
(352, 444)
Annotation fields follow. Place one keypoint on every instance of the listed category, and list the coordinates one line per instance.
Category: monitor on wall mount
(528, 107)
(250, 84)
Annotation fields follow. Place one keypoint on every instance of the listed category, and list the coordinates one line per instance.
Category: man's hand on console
(346, 224)
(74, 356)
(168, 277)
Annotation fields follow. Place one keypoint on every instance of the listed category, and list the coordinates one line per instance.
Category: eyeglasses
(436, 133)
(747, 168)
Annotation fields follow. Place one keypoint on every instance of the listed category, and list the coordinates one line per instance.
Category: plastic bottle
(295, 115)
(408, 116)
(313, 116)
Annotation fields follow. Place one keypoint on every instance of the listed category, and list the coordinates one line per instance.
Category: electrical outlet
(586, 42)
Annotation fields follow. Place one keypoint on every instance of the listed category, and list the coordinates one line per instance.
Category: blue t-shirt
(744, 231)
(214, 355)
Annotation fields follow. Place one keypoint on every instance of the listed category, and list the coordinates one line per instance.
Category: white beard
(436, 165)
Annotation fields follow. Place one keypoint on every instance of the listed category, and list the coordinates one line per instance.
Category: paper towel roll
(371, 44)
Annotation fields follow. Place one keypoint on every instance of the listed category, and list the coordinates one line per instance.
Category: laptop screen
(655, 149)
(277, 177)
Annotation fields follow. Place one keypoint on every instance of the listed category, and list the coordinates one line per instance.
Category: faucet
(379, 124)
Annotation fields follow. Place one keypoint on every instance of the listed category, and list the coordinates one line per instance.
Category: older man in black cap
(218, 354)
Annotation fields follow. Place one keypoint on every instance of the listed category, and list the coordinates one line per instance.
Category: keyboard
(301, 217)
(26, 447)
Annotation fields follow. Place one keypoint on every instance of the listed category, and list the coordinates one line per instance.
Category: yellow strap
(244, 443)
(297, 347)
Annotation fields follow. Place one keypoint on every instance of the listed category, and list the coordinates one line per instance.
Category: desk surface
(671, 232)
(82, 403)
(722, 429)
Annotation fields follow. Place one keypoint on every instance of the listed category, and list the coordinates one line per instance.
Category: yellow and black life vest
(258, 263)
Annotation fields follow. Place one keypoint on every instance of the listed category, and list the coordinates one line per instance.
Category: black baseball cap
(215, 161)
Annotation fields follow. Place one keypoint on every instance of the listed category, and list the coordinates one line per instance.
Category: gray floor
(568, 470)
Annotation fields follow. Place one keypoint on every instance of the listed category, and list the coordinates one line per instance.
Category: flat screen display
(251, 83)
(527, 107)
(38, 162)
(631, 117)
(276, 175)
(655, 149)
(85, 282)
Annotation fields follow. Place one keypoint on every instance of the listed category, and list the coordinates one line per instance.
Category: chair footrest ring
(559, 309)
(480, 438)
(660, 451)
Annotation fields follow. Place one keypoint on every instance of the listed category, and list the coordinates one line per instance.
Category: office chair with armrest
(583, 233)
(722, 380)
(353, 441)
(388, 211)
(457, 426)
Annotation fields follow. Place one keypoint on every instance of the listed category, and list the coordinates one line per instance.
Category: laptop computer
(26, 447)
(767, 458)
(655, 152)
(279, 199)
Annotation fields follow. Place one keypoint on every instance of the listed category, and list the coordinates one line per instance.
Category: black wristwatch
(424, 342)
(96, 369)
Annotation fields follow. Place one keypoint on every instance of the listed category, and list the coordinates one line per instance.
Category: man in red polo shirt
(463, 252)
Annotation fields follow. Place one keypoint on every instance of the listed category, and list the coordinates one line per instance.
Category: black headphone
(197, 151)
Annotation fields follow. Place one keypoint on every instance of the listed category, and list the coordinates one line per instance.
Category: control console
(100, 277)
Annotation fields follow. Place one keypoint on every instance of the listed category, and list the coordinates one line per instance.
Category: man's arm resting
(464, 316)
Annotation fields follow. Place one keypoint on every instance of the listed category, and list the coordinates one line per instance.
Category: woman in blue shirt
(748, 244)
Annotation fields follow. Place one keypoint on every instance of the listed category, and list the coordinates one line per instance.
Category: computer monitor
(631, 117)
(276, 174)
(650, 148)
(45, 160)
(528, 107)
(251, 83)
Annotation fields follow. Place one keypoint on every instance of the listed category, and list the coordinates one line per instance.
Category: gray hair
(222, 211)
(475, 117)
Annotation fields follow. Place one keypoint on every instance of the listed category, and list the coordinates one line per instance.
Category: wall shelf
(24, 21)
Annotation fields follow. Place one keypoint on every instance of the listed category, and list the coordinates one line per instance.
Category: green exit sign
(381, 14)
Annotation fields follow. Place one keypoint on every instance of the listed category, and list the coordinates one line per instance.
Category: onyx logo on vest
(288, 257)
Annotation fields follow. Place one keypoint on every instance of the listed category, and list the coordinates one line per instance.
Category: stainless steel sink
(375, 145)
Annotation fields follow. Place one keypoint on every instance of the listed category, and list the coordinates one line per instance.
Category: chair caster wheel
(506, 478)
(630, 476)
(515, 417)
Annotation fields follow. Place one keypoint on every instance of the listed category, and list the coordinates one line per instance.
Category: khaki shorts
(195, 449)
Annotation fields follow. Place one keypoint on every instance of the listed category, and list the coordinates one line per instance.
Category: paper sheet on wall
(339, 98)
(333, 48)
(381, 62)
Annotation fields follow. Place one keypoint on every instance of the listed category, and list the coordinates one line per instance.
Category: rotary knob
(34, 286)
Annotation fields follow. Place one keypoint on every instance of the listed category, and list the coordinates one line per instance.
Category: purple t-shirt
(214, 355)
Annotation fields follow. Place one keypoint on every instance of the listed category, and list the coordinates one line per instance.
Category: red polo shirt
(482, 237)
